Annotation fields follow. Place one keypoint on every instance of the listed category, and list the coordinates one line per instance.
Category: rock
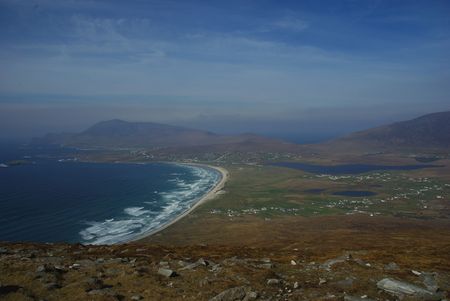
(295, 285)
(251, 296)
(351, 298)
(417, 273)
(362, 262)
(4, 251)
(163, 263)
(137, 298)
(346, 283)
(232, 294)
(392, 266)
(167, 272)
(41, 269)
(273, 281)
(429, 280)
(293, 262)
(322, 281)
(400, 289)
(267, 266)
(330, 262)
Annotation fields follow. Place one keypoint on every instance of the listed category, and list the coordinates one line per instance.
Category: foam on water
(139, 220)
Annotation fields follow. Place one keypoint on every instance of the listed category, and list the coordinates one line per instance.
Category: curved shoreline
(211, 194)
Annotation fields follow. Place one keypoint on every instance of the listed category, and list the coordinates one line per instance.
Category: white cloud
(291, 24)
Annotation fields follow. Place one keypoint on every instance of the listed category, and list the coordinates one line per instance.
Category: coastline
(211, 194)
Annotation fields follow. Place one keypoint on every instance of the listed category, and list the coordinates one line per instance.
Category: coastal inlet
(96, 203)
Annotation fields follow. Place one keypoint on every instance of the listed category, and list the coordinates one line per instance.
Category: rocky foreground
(149, 272)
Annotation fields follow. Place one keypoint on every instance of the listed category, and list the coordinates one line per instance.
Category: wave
(136, 221)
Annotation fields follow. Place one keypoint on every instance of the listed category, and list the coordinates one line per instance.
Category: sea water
(53, 199)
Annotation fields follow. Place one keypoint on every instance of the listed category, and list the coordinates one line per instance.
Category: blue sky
(286, 68)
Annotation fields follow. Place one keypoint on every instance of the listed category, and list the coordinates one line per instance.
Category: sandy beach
(208, 196)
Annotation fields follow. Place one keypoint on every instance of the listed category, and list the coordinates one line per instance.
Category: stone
(137, 298)
(251, 296)
(41, 269)
(345, 283)
(400, 288)
(296, 285)
(417, 273)
(352, 298)
(392, 266)
(273, 281)
(293, 262)
(232, 294)
(167, 272)
(4, 251)
(429, 280)
(330, 262)
(322, 281)
(266, 266)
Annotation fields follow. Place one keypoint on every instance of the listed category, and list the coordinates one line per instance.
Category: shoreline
(211, 194)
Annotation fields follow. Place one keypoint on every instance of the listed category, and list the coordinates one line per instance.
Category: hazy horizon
(304, 71)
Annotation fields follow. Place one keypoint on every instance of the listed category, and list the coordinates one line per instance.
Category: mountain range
(122, 134)
(428, 131)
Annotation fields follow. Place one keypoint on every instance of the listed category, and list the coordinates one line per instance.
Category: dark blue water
(348, 168)
(355, 193)
(51, 201)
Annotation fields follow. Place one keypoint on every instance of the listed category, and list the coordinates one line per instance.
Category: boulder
(167, 272)
(232, 294)
(400, 289)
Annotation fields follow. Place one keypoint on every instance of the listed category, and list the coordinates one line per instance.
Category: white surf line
(211, 194)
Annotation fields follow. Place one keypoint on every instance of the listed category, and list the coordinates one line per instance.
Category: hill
(122, 134)
(428, 131)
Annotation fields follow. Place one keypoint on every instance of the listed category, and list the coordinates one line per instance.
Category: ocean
(53, 199)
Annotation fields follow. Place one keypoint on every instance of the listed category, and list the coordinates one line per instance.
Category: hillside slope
(428, 131)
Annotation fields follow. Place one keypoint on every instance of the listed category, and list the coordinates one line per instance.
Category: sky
(300, 70)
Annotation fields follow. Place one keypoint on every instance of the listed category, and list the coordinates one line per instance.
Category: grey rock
(41, 269)
(167, 272)
(352, 298)
(137, 298)
(330, 262)
(392, 266)
(273, 281)
(267, 266)
(429, 280)
(4, 251)
(400, 288)
(345, 283)
(232, 294)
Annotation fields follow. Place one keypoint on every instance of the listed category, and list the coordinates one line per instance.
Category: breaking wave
(187, 189)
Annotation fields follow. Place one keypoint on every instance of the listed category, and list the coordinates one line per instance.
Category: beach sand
(208, 196)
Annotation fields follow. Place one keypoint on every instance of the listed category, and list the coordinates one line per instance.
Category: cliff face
(149, 272)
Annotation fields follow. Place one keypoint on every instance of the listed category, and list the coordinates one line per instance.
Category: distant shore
(211, 194)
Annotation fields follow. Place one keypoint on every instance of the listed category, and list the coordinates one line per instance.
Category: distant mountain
(122, 134)
(428, 131)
